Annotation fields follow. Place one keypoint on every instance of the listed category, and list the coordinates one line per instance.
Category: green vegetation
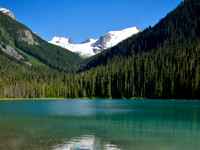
(161, 62)
(51, 55)
(18, 35)
(31, 59)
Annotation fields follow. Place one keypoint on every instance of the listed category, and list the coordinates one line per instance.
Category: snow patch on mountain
(7, 12)
(91, 47)
(84, 50)
(4, 10)
(118, 36)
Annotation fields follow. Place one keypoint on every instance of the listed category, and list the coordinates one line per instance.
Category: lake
(100, 125)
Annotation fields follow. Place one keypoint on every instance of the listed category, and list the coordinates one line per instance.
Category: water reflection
(85, 142)
(135, 125)
(63, 107)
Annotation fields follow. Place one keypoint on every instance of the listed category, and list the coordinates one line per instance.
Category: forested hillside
(178, 28)
(29, 45)
(160, 62)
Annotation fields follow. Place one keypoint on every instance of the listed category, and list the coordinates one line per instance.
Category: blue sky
(83, 19)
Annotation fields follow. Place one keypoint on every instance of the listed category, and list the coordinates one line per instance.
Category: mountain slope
(7, 12)
(179, 27)
(160, 62)
(91, 47)
(19, 41)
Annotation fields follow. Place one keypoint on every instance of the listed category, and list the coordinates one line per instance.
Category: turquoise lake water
(100, 125)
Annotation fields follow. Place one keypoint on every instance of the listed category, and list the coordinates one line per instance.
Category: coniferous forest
(160, 62)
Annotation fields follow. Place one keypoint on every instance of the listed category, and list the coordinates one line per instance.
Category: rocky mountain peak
(86, 41)
(70, 41)
(92, 47)
(7, 12)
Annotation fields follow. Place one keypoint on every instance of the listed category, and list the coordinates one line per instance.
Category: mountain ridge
(91, 46)
(7, 12)
(152, 37)
(162, 62)
(17, 39)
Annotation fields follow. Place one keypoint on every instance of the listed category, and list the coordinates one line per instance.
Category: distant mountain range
(91, 46)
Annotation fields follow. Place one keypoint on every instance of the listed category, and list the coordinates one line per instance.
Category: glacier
(91, 46)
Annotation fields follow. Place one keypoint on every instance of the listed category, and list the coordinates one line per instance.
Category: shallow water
(100, 124)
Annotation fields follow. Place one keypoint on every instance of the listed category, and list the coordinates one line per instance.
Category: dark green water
(100, 125)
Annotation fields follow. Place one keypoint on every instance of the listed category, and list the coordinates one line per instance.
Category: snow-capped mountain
(91, 47)
(7, 12)
(114, 37)
(84, 50)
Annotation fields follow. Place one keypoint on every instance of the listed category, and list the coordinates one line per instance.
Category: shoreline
(86, 98)
(4, 99)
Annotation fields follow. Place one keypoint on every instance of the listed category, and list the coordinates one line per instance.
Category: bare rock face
(70, 41)
(7, 12)
(11, 15)
(12, 52)
(86, 41)
(96, 50)
(26, 35)
(103, 40)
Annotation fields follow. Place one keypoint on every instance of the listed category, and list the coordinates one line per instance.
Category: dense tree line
(154, 74)
(160, 62)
